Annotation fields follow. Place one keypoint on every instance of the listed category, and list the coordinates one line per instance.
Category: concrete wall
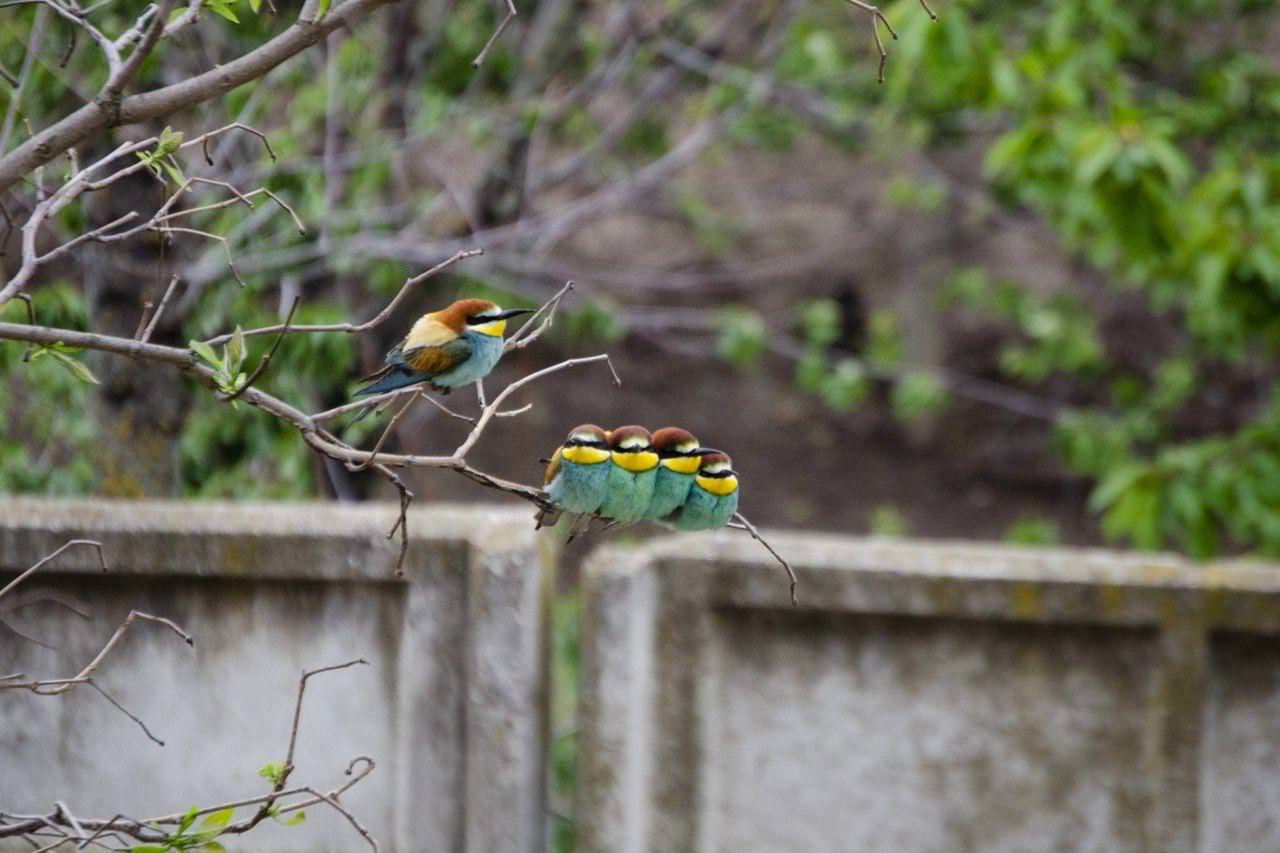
(448, 707)
(941, 697)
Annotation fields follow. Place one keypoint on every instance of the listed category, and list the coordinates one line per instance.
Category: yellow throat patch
(682, 464)
(637, 462)
(586, 455)
(497, 328)
(719, 486)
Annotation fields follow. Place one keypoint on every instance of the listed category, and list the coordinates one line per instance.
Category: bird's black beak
(508, 314)
(706, 451)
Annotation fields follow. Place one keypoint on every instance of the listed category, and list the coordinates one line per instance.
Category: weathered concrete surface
(941, 697)
(449, 706)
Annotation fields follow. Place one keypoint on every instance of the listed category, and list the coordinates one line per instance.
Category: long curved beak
(706, 451)
(508, 314)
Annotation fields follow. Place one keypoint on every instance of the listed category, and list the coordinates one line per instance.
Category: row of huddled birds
(624, 475)
(627, 475)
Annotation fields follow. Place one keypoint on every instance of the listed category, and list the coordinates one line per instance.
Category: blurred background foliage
(758, 229)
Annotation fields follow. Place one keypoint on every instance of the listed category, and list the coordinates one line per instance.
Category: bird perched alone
(445, 349)
(633, 469)
(714, 497)
(678, 456)
(577, 473)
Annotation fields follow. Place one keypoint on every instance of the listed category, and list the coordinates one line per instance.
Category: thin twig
(528, 333)
(373, 454)
(93, 543)
(497, 33)
(877, 18)
(287, 768)
(266, 359)
(164, 301)
(376, 320)
(402, 522)
(755, 534)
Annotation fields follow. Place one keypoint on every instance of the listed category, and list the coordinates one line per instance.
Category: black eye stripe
(717, 475)
(579, 442)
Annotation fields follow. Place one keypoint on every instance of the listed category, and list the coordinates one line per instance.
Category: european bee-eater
(678, 457)
(445, 349)
(577, 474)
(633, 469)
(714, 497)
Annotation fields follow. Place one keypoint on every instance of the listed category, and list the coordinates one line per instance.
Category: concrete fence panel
(927, 697)
(448, 706)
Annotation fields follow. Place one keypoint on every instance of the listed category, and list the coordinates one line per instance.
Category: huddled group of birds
(624, 475)
(627, 475)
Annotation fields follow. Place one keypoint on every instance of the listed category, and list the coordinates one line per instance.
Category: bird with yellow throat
(577, 474)
(445, 349)
(713, 498)
(633, 470)
(678, 456)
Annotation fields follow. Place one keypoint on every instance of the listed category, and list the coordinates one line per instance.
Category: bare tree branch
(93, 543)
(497, 34)
(743, 524)
(93, 118)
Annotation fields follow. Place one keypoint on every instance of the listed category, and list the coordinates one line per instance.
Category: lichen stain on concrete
(1024, 600)
(1112, 600)
(941, 593)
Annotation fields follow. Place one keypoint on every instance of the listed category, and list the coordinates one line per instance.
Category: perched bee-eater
(577, 474)
(678, 456)
(445, 349)
(633, 469)
(714, 497)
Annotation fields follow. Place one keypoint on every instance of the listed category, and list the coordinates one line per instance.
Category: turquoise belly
(627, 495)
(579, 488)
(705, 511)
(486, 350)
(669, 491)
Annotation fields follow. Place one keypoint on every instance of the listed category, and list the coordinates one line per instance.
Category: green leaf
(217, 819)
(820, 320)
(235, 350)
(272, 771)
(169, 142)
(255, 6)
(174, 171)
(188, 819)
(77, 368)
(917, 395)
(214, 847)
(150, 848)
(206, 352)
(322, 10)
(223, 8)
(1115, 484)
(742, 337)
(293, 819)
(846, 386)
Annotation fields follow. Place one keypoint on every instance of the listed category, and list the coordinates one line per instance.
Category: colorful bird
(633, 470)
(714, 497)
(678, 454)
(445, 349)
(577, 473)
